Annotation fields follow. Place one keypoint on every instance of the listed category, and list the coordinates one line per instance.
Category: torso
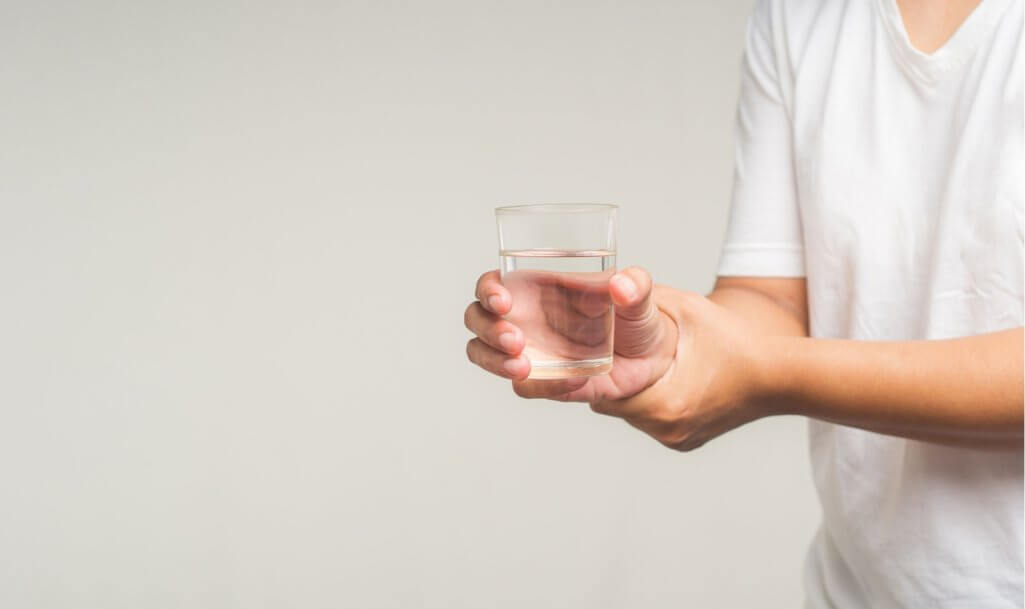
(909, 173)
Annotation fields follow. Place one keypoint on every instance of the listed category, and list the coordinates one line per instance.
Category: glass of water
(556, 261)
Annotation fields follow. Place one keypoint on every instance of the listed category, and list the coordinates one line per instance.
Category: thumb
(638, 324)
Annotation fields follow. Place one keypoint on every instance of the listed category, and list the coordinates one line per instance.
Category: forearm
(966, 391)
(743, 353)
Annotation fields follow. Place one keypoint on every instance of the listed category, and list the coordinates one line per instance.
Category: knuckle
(665, 442)
(673, 439)
(468, 316)
(689, 444)
(521, 390)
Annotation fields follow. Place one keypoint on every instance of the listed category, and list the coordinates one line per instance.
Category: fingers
(549, 389)
(589, 300)
(492, 295)
(631, 408)
(631, 293)
(493, 330)
(582, 318)
(640, 329)
(499, 344)
(494, 361)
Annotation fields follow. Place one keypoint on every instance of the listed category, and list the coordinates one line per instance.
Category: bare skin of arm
(964, 391)
(743, 353)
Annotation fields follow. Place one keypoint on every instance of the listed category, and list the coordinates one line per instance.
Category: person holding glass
(871, 280)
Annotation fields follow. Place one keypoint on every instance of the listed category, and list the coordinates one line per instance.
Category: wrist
(776, 371)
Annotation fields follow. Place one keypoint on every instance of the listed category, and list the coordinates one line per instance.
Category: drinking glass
(556, 261)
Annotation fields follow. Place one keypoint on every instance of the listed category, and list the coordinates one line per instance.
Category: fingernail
(513, 366)
(494, 302)
(508, 341)
(625, 286)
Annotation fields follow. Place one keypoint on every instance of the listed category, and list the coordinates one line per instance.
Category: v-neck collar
(955, 52)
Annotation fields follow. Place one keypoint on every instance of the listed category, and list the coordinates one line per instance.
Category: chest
(878, 153)
(910, 193)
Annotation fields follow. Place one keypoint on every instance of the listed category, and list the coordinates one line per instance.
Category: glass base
(570, 369)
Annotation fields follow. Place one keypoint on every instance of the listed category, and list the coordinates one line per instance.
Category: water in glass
(561, 303)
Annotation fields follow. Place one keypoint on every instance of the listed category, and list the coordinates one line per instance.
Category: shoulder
(789, 17)
(784, 32)
(794, 21)
(798, 15)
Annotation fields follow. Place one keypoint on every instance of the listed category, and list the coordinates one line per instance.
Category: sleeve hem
(762, 260)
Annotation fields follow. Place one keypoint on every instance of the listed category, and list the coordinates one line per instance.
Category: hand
(715, 383)
(644, 341)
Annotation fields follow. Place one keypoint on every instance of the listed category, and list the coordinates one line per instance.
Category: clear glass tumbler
(556, 261)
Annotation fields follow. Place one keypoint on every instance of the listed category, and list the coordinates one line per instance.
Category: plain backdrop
(236, 242)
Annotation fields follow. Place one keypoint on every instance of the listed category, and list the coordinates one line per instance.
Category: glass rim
(556, 208)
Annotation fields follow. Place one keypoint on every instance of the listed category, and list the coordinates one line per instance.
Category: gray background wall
(236, 241)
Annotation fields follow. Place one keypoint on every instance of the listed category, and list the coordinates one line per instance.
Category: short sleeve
(763, 238)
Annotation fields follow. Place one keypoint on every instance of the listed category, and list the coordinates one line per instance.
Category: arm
(743, 353)
(964, 391)
(778, 306)
(897, 388)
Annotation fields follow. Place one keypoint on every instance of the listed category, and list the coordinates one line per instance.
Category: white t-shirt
(893, 181)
